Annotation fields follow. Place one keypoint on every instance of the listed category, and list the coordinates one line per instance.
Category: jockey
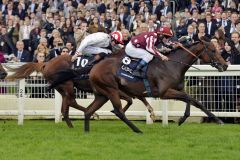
(143, 46)
(98, 44)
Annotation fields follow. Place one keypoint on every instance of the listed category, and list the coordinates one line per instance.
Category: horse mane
(25, 70)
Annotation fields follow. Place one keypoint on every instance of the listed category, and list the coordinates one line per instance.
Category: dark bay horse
(166, 81)
(66, 89)
(3, 73)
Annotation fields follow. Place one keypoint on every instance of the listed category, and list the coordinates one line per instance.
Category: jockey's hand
(74, 57)
(78, 53)
(164, 58)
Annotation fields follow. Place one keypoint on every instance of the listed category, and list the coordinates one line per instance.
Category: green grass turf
(113, 140)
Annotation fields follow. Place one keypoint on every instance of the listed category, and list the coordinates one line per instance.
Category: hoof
(180, 121)
(139, 132)
(220, 122)
(153, 117)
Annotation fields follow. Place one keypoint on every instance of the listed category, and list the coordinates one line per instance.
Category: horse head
(3, 73)
(211, 55)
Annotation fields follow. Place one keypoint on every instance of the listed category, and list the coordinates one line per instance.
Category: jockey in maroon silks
(143, 46)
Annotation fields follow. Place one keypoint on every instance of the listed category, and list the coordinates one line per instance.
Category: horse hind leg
(115, 99)
(182, 96)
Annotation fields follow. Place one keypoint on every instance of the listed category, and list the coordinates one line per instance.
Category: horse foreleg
(182, 96)
(98, 102)
(148, 106)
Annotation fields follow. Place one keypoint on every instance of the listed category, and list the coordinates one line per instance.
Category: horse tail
(25, 70)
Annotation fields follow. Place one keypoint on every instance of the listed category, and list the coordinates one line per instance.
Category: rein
(180, 62)
(188, 51)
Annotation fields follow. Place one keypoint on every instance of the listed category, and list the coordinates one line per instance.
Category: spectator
(41, 48)
(230, 53)
(20, 12)
(38, 92)
(81, 33)
(201, 32)
(231, 27)
(167, 8)
(64, 51)
(210, 24)
(24, 33)
(188, 38)
(58, 44)
(181, 29)
(70, 47)
(205, 5)
(21, 55)
(156, 9)
(194, 5)
(235, 37)
(95, 27)
(219, 34)
(216, 7)
(6, 42)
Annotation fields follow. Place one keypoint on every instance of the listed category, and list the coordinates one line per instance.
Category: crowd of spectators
(32, 26)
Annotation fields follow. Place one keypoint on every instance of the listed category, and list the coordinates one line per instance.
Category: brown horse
(66, 89)
(166, 81)
(3, 73)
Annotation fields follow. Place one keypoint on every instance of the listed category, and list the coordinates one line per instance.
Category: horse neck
(185, 59)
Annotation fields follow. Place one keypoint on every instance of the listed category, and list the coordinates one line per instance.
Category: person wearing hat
(98, 45)
(143, 47)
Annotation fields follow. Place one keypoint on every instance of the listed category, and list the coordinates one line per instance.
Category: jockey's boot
(138, 72)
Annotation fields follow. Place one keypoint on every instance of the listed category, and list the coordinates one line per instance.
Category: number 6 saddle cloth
(128, 65)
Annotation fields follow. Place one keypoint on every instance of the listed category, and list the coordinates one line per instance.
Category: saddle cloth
(82, 63)
(127, 66)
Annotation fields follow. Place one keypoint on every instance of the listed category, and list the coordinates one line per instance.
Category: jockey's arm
(152, 49)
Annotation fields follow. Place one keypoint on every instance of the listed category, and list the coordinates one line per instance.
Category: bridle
(213, 63)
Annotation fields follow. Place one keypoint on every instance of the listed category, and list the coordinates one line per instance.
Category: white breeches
(132, 51)
(90, 50)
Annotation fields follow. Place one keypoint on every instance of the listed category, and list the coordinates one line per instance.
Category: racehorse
(3, 73)
(166, 80)
(66, 89)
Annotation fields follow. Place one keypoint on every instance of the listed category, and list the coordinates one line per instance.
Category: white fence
(218, 91)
